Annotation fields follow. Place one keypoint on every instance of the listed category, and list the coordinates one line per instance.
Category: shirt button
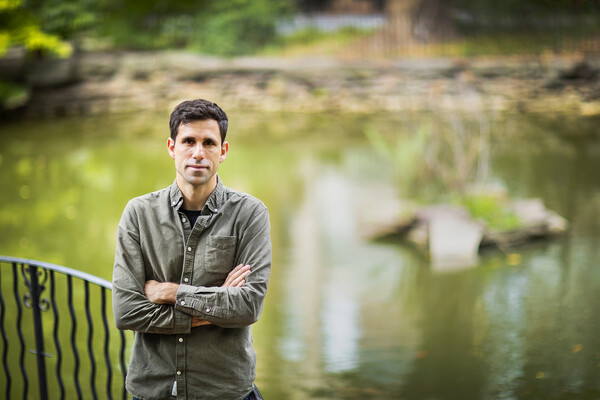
(186, 280)
(182, 219)
(178, 372)
(182, 302)
(189, 249)
(207, 309)
(180, 340)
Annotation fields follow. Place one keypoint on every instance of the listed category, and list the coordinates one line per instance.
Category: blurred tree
(419, 20)
(20, 27)
(425, 21)
(399, 25)
(238, 26)
(146, 24)
(212, 26)
(539, 5)
(65, 19)
(343, 6)
(432, 20)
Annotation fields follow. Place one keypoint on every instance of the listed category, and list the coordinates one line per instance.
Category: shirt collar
(213, 202)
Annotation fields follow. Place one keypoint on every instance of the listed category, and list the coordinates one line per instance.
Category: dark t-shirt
(192, 215)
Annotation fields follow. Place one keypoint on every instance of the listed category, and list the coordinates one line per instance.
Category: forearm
(133, 311)
(228, 307)
(166, 292)
(161, 292)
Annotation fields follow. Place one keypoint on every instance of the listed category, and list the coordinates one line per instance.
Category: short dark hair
(197, 110)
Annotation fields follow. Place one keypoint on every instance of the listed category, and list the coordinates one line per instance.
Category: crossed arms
(146, 301)
(166, 292)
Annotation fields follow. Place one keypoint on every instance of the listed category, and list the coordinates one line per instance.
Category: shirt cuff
(200, 301)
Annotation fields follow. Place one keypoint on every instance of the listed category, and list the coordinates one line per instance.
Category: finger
(240, 278)
(241, 270)
(230, 275)
(233, 274)
(241, 274)
(238, 267)
(241, 283)
(199, 322)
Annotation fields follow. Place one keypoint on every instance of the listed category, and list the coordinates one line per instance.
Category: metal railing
(72, 359)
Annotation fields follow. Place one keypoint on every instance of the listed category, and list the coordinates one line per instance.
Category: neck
(195, 197)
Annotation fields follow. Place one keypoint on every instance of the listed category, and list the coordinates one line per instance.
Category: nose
(198, 152)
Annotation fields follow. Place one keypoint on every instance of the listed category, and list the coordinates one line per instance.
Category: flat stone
(454, 238)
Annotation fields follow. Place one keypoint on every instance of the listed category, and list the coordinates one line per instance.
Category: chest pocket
(220, 254)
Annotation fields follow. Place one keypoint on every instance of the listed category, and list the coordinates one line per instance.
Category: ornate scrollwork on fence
(35, 287)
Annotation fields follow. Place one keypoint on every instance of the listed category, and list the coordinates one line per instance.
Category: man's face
(197, 151)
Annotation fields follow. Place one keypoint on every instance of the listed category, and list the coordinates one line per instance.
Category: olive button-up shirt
(156, 241)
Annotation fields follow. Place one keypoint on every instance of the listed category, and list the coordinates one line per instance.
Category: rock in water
(453, 238)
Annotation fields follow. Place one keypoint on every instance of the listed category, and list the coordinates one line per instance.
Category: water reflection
(346, 317)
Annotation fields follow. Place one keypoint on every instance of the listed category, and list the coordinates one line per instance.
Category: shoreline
(105, 83)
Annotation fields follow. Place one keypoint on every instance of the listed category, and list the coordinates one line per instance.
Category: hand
(237, 276)
(161, 292)
(199, 322)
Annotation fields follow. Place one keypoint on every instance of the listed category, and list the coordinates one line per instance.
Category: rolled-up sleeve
(131, 309)
(235, 307)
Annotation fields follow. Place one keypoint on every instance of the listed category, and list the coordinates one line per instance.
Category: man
(191, 270)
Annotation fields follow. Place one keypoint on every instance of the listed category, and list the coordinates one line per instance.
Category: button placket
(192, 242)
(188, 260)
(181, 367)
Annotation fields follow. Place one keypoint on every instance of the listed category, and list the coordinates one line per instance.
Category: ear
(171, 147)
(224, 151)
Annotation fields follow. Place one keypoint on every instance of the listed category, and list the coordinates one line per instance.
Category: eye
(188, 140)
(210, 142)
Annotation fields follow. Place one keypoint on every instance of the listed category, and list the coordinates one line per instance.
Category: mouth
(197, 167)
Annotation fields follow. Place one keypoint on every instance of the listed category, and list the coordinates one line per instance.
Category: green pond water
(347, 317)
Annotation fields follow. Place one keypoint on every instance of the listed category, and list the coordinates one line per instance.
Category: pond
(348, 317)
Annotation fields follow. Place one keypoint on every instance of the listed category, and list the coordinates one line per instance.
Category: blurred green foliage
(12, 95)
(311, 35)
(238, 26)
(442, 158)
(311, 40)
(21, 27)
(67, 20)
(210, 26)
(234, 27)
(493, 209)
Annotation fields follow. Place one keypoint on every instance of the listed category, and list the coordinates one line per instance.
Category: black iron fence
(58, 339)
